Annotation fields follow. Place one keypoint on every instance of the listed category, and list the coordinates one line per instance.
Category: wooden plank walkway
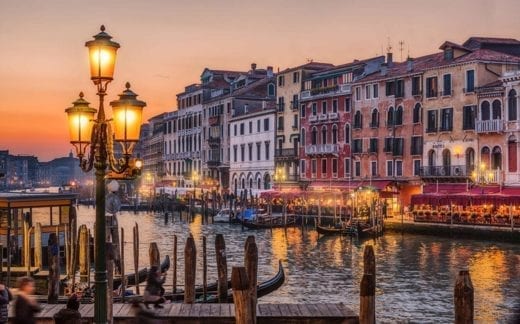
(216, 313)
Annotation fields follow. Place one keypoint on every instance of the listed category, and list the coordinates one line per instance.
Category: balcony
(489, 126)
(321, 149)
(451, 171)
(214, 141)
(288, 153)
(313, 118)
(322, 91)
(322, 117)
(333, 116)
(213, 163)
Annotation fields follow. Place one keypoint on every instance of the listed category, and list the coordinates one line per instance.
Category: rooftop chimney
(389, 59)
(253, 67)
(269, 71)
(409, 64)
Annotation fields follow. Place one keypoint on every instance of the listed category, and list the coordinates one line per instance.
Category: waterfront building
(4, 154)
(289, 85)
(511, 134)
(463, 111)
(387, 134)
(222, 92)
(182, 139)
(60, 172)
(252, 145)
(326, 115)
(152, 153)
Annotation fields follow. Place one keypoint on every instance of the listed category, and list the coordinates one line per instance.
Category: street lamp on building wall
(279, 176)
(98, 132)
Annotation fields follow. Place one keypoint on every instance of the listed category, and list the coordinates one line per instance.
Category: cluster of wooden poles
(463, 292)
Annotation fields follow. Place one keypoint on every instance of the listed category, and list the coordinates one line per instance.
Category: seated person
(70, 314)
(154, 291)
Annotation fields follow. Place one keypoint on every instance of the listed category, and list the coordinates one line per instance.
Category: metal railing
(322, 149)
(445, 171)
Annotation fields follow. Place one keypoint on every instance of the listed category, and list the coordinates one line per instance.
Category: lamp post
(86, 129)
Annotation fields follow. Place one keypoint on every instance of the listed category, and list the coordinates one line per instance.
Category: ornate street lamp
(86, 129)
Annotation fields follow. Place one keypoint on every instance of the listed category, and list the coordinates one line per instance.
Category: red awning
(513, 191)
(443, 188)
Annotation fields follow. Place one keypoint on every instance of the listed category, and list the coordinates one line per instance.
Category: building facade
(289, 85)
(326, 115)
(252, 147)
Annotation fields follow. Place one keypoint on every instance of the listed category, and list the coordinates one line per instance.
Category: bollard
(54, 269)
(153, 252)
(175, 264)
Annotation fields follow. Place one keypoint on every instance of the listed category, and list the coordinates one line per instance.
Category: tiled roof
(309, 66)
(453, 45)
(493, 84)
(485, 55)
(400, 69)
(347, 65)
(476, 42)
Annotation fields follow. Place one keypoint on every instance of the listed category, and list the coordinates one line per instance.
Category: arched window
(267, 181)
(485, 157)
(399, 115)
(497, 109)
(390, 117)
(358, 120)
(347, 133)
(470, 160)
(324, 135)
(512, 112)
(334, 134)
(446, 158)
(431, 158)
(374, 120)
(303, 136)
(251, 183)
(512, 154)
(484, 111)
(270, 90)
(417, 113)
(496, 158)
(236, 185)
(243, 183)
(258, 183)
(314, 136)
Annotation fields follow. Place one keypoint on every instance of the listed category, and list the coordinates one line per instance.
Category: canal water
(415, 273)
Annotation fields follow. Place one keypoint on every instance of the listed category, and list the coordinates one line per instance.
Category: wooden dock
(216, 313)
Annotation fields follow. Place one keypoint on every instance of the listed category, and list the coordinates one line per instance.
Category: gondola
(267, 221)
(263, 289)
(366, 231)
(142, 274)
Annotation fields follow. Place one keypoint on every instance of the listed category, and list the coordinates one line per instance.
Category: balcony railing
(313, 118)
(287, 152)
(213, 163)
(333, 115)
(322, 117)
(445, 171)
(214, 141)
(322, 149)
(489, 126)
(343, 89)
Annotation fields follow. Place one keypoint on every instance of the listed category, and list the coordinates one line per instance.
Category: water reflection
(415, 274)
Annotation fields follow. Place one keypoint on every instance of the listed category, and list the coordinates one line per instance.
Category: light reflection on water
(415, 274)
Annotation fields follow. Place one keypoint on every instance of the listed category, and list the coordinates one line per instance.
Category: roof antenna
(401, 43)
(389, 46)
(309, 60)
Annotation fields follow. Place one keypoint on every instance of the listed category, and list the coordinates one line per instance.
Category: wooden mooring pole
(123, 278)
(53, 251)
(190, 267)
(136, 257)
(241, 296)
(155, 258)
(110, 280)
(463, 298)
(83, 253)
(251, 265)
(367, 302)
(204, 269)
(220, 251)
(175, 264)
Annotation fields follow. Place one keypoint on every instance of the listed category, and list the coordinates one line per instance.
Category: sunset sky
(165, 45)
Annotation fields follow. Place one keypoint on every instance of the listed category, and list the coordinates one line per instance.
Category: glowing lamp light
(127, 118)
(102, 55)
(81, 117)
